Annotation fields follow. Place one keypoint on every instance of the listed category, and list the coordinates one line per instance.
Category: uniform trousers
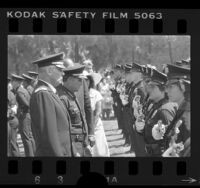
(26, 135)
(13, 148)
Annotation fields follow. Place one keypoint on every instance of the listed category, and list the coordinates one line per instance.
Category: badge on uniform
(136, 101)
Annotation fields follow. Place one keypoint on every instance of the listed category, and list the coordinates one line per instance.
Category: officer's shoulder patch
(21, 89)
(169, 105)
(135, 90)
(42, 88)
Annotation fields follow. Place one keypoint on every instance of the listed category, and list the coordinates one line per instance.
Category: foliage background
(105, 51)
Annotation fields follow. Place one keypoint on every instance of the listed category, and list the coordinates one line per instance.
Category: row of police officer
(152, 106)
(20, 89)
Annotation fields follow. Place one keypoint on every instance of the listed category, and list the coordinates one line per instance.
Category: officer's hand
(91, 139)
(158, 131)
(14, 109)
(170, 152)
(178, 147)
(137, 99)
(134, 104)
(88, 151)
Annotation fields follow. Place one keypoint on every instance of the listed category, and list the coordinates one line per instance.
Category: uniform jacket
(116, 98)
(50, 122)
(30, 89)
(115, 94)
(186, 152)
(23, 100)
(134, 89)
(72, 106)
(11, 99)
(78, 124)
(162, 110)
(185, 126)
(147, 105)
(85, 105)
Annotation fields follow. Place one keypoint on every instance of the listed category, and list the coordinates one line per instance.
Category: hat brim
(172, 81)
(61, 66)
(134, 69)
(154, 82)
(83, 76)
(128, 71)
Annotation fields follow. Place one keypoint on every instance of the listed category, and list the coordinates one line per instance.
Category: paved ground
(114, 138)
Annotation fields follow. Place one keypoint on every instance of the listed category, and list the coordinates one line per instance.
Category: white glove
(139, 126)
(14, 109)
(136, 101)
(177, 131)
(135, 113)
(88, 151)
(134, 104)
(173, 150)
(178, 147)
(158, 131)
(170, 152)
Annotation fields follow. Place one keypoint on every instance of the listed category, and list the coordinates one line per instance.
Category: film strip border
(124, 171)
(87, 27)
(125, 21)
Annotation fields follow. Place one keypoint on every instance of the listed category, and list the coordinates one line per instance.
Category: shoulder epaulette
(169, 105)
(42, 88)
(135, 90)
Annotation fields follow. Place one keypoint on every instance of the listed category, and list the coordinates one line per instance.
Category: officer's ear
(50, 70)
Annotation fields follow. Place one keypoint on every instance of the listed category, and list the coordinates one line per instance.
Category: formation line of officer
(51, 109)
(52, 112)
(153, 108)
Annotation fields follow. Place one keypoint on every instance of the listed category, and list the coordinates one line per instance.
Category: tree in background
(104, 51)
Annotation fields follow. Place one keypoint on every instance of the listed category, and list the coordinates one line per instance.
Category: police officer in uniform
(72, 81)
(178, 88)
(137, 95)
(13, 123)
(23, 113)
(148, 103)
(115, 93)
(84, 100)
(28, 83)
(156, 122)
(50, 121)
(127, 112)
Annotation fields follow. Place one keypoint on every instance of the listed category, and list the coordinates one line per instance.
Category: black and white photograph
(98, 96)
